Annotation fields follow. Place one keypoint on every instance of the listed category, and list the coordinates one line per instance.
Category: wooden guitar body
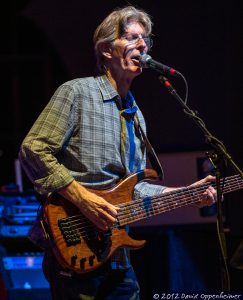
(78, 244)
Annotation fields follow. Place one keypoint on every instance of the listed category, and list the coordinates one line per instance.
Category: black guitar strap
(153, 158)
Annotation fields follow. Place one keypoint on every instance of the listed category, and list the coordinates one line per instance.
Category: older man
(85, 138)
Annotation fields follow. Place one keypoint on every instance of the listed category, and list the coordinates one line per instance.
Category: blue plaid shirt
(78, 136)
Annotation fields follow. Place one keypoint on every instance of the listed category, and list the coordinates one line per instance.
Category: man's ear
(106, 50)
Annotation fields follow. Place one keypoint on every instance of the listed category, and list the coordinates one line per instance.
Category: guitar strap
(153, 158)
(155, 163)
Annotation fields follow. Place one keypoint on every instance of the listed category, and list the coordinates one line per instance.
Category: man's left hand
(209, 196)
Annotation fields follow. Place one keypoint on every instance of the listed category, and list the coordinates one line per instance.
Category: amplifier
(18, 208)
(20, 214)
(14, 230)
(23, 277)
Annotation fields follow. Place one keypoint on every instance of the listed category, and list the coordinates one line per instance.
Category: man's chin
(137, 69)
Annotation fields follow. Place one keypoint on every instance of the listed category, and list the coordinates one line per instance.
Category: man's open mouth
(136, 59)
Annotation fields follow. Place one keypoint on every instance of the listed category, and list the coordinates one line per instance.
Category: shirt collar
(106, 88)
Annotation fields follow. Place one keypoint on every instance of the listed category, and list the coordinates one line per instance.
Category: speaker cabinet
(22, 278)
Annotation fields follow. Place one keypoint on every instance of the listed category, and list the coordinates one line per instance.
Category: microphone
(146, 61)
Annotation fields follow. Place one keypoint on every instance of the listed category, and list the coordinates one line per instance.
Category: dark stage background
(44, 43)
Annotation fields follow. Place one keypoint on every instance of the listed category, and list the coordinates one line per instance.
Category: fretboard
(150, 206)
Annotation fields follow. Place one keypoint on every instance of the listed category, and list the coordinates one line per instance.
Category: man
(85, 137)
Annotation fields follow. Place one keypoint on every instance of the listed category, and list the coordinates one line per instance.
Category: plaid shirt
(78, 136)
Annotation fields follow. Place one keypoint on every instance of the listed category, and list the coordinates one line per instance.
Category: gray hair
(114, 25)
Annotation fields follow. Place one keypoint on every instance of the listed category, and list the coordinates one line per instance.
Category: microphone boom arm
(220, 152)
(210, 139)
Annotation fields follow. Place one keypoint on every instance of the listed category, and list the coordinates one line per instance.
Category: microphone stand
(220, 155)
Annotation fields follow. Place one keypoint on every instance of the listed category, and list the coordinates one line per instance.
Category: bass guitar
(80, 247)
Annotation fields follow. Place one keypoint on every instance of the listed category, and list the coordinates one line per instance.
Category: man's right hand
(102, 213)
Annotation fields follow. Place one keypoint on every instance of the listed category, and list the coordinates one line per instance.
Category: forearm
(171, 189)
(75, 193)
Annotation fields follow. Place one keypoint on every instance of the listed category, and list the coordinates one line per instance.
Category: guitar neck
(150, 206)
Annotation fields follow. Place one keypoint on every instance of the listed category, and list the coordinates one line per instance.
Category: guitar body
(81, 247)
(77, 244)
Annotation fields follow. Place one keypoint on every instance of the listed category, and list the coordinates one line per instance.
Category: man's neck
(121, 84)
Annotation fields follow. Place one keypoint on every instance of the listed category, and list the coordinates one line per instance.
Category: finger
(110, 209)
(205, 199)
(96, 217)
(99, 222)
(212, 190)
(109, 219)
(211, 197)
(102, 225)
(212, 193)
(210, 178)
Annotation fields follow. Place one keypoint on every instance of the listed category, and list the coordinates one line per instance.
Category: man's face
(127, 49)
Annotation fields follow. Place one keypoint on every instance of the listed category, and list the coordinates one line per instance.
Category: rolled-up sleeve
(39, 150)
(144, 189)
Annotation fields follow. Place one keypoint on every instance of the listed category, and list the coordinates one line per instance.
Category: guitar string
(141, 210)
(192, 194)
(88, 233)
(139, 201)
(138, 212)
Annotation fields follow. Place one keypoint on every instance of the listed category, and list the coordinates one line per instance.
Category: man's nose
(141, 43)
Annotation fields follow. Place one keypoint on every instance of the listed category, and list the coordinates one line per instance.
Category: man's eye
(132, 37)
(135, 37)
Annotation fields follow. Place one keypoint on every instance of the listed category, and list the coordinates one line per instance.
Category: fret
(79, 233)
(150, 206)
(192, 193)
(238, 184)
(174, 202)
